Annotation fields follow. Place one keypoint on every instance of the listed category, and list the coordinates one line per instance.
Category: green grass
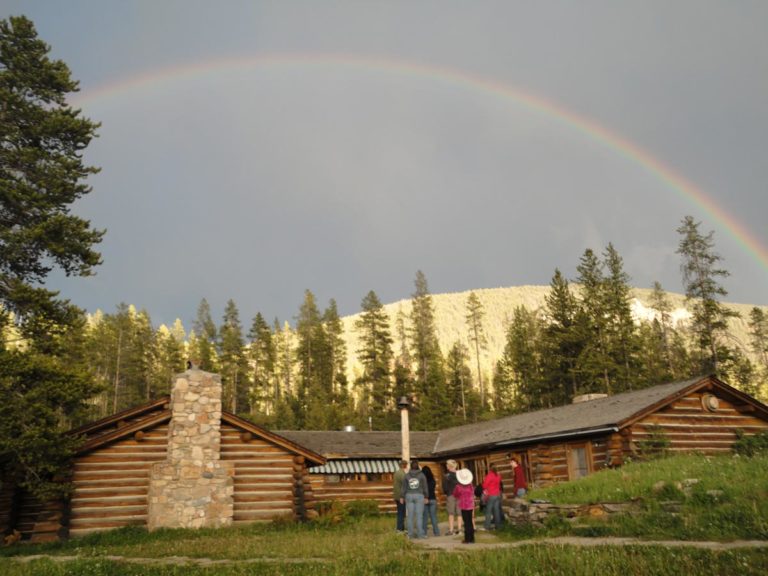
(729, 500)
(368, 545)
(528, 560)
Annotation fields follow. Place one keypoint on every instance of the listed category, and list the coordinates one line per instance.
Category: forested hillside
(461, 357)
(499, 305)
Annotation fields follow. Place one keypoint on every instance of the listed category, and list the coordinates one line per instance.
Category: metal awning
(367, 466)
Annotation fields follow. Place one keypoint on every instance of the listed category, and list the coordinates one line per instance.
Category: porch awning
(359, 466)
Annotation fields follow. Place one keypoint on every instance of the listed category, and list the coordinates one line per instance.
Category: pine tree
(311, 355)
(337, 350)
(204, 352)
(262, 354)
(433, 410)
(463, 400)
(170, 357)
(562, 343)
(42, 173)
(234, 368)
(662, 326)
(623, 345)
(477, 338)
(521, 363)
(286, 401)
(423, 334)
(595, 365)
(701, 275)
(758, 333)
(403, 370)
(375, 356)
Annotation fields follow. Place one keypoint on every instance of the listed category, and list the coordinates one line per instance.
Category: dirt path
(171, 560)
(488, 540)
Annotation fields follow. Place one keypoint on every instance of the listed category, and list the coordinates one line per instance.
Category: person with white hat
(465, 494)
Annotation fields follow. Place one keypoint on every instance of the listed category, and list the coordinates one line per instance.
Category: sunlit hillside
(499, 304)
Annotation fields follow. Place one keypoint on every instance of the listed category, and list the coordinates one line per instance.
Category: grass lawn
(703, 498)
(369, 545)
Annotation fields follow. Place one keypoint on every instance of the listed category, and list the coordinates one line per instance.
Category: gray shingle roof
(561, 421)
(338, 444)
(572, 420)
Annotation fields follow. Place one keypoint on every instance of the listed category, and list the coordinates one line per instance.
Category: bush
(362, 508)
(335, 512)
(656, 445)
(751, 445)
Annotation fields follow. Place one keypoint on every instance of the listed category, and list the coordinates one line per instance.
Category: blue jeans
(414, 512)
(430, 514)
(493, 510)
(400, 516)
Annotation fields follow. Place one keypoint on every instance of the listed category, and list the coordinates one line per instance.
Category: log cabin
(568, 442)
(285, 473)
(264, 475)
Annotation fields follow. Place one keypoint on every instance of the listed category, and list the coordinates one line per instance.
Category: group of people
(415, 498)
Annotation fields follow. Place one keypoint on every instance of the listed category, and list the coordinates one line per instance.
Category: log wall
(355, 487)
(689, 426)
(110, 484)
(266, 477)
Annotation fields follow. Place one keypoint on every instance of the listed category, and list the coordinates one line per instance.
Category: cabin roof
(378, 444)
(572, 420)
(156, 412)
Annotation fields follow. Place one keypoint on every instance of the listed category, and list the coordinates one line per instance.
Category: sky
(253, 150)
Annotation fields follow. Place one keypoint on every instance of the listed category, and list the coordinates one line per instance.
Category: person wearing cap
(465, 494)
(416, 494)
(397, 495)
(451, 504)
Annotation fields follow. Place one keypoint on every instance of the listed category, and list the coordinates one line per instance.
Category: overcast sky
(251, 150)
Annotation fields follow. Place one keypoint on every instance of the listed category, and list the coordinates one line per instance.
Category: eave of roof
(127, 414)
(123, 431)
(273, 437)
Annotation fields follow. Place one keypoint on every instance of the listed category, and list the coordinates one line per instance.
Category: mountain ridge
(499, 305)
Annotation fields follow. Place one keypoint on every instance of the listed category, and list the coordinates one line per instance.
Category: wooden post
(405, 432)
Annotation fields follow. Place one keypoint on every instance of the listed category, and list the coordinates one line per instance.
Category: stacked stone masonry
(194, 488)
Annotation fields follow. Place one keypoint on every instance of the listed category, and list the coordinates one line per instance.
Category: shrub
(655, 445)
(751, 445)
(362, 508)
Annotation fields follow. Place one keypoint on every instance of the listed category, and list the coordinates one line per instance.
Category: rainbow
(586, 126)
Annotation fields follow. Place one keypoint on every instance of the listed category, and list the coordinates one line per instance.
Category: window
(578, 461)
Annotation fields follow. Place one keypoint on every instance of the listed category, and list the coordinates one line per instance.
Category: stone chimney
(193, 488)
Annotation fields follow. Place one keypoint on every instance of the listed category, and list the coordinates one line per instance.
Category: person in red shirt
(492, 496)
(521, 485)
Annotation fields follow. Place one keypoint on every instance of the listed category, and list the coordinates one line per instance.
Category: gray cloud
(258, 182)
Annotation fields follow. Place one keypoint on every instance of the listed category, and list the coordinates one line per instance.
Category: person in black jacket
(430, 506)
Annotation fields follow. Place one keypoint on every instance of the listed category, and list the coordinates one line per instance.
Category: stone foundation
(536, 513)
(194, 487)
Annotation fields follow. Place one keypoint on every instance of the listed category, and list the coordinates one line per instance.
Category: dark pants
(400, 516)
(469, 529)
